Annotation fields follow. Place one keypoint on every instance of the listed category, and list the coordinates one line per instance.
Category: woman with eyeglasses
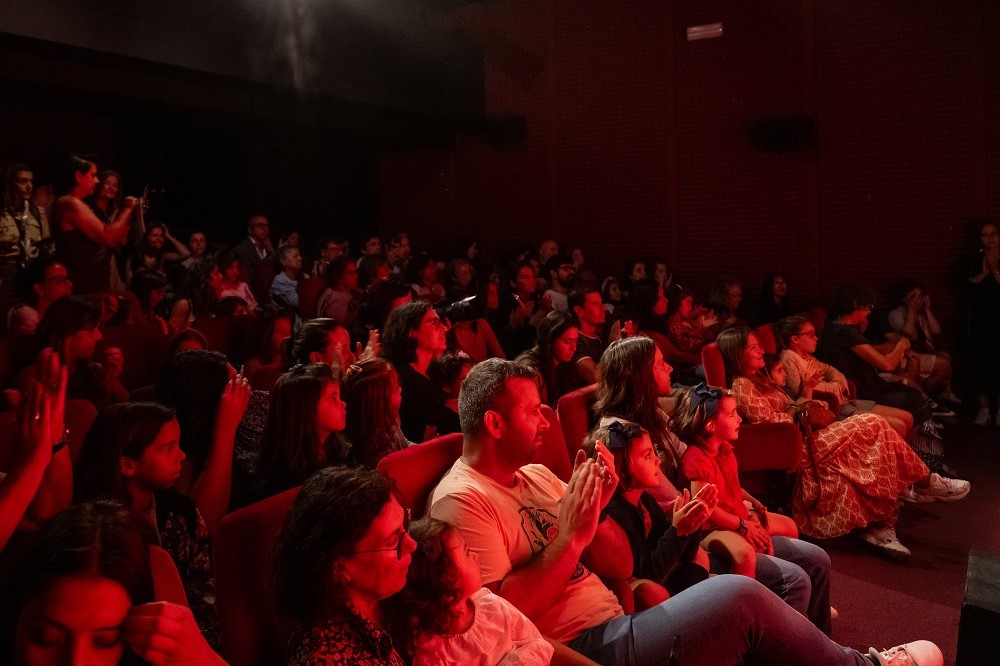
(854, 471)
(415, 335)
(805, 374)
(342, 552)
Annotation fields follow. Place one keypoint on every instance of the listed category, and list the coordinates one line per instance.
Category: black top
(422, 406)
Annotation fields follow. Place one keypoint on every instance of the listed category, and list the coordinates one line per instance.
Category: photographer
(470, 332)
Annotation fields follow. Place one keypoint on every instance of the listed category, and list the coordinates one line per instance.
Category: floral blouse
(351, 640)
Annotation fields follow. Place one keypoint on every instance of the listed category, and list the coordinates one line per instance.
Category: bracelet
(742, 529)
(61, 444)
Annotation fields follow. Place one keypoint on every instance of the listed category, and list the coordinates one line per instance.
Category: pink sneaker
(917, 653)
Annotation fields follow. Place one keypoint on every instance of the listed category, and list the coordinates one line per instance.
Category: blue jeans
(721, 621)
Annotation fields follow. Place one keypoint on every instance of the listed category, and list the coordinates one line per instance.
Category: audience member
(983, 316)
(199, 250)
(84, 242)
(689, 328)
(82, 594)
(585, 277)
(724, 299)
(270, 331)
(585, 304)
(302, 432)
(772, 302)
(529, 531)
(234, 281)
(521, 309)
(332, 248)
(423, 279)
(371, 247)
(551, 358)
(382, 298)
(132, 455)
(187, 340)
(23, 227)
(562, 277)
(611, 294)
(158, 236)
(858, 468)
(397, 253)
(450, 617)
(635, 273)
(45, 281)
(374, 269)
(150, 288)
(256, 247)
(459, 275)
(414, 335)
(338, 301)
(914, 321)
(284, 288)
(549, 248)
(373, 396)
(447, 372)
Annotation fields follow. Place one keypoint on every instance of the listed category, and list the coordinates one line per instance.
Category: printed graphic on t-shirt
(540, 527)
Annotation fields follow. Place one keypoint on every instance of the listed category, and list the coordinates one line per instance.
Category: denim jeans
(721, 621)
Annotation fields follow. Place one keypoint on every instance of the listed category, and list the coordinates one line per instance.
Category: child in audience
(234, 282)
(271, 330)
(372, 393)
(447, 372)
(665, 552)
(132, 455)
(450, 617)
(301, 434)
(707, 420)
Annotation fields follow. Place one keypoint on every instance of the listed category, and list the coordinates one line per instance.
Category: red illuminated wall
(637, 139)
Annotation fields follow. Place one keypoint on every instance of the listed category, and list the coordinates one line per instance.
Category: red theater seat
(418, 468)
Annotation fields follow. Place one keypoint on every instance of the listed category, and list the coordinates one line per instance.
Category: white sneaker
(913, 497)
(982, 417)
(942, 489)
(883, 539)
(917, 653)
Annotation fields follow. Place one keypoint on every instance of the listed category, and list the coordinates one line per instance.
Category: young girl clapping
(706, 419)
(450, 617)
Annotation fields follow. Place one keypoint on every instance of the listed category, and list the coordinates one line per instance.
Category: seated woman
(371, 390)
(521, 309)
(552, 357)
(611, 294)
(69, 327)
(234, 282)
(132, 455)
(339, 300)
(772, 302)
(724, 299)
(85, 588)
(302, 432)
(342, 552)
(414, 335)
(856, 470)
(422, 275)
(150, 288)
(806, 374)
(271, 330)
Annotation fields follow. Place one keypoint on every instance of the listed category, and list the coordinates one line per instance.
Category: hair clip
(296, 367)
(621, 435)
(353, 369)
(704, 394)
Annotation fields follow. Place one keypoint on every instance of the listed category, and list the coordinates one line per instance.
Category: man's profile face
(260, 228)
(522, 422)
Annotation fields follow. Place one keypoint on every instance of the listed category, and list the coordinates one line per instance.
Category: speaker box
(979, 626)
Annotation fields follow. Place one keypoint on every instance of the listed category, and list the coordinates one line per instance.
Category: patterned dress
(862, 465)
(351, 640)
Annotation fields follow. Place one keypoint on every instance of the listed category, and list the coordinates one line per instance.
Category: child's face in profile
(727, 420)
(643, 463)
(466, 563)
(778, 375)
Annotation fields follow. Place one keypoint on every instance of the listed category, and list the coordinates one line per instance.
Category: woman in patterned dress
(859, 467)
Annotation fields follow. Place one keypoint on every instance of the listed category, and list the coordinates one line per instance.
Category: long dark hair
(731, 344)
(92, 538)
(123, 429)
(398, 346)
(312, 336)
(372, 422)
(65, 317)
(192, 383)
(627, 386)
(540, 356)
(290, 446)
(331, 514)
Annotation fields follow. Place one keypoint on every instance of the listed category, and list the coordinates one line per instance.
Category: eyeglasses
(399, 544)
(808, 334)
(58, 279)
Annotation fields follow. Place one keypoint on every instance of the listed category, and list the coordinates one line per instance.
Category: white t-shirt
(508, 527)
(559, 301)
(499, 635)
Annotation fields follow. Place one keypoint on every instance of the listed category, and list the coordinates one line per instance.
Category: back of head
(851, 297)
(626, 384)
(484, 388)
(96, 539)
(331, 514)
(312, 336)
(192, 383)
(433, 582)
(123, 429)
(694, 409)
(372, 420)
(73, 164)
(64, 318)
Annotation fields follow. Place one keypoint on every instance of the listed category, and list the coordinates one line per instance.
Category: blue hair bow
(703, 394)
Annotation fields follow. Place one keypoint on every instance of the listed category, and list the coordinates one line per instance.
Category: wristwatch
(742, 529)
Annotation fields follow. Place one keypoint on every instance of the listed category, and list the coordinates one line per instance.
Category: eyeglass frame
(407, 518)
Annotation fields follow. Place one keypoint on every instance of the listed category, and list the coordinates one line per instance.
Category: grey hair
(482, 389)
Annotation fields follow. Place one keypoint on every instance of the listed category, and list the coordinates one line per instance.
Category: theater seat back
(576, 417)
(418, 468)
(715, 369)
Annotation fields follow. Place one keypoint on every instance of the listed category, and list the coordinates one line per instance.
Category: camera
(466, 309)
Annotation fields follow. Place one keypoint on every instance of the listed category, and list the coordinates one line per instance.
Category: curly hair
(627, 387)
(331, 514)
(372, 421)
(290, 446)
(433, 582)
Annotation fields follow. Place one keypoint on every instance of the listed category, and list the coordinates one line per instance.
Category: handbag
(812, 415)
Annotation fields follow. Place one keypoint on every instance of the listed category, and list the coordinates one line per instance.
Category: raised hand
(372, 349)
(165, 634)
(234, 402)
(606, 470)
(580, 507)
